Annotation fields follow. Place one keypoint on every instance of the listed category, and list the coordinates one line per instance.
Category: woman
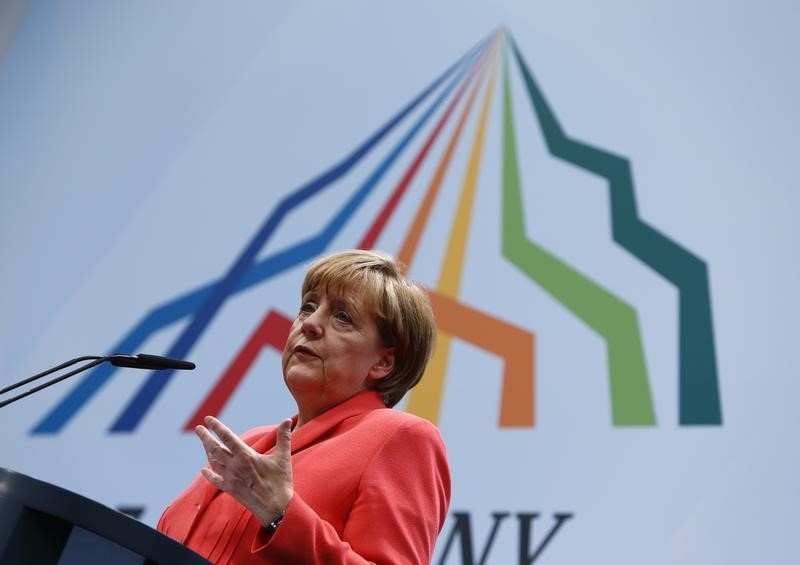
(347, 479)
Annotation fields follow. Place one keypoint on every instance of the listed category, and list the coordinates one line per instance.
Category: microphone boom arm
(95, 361)
(141, 361)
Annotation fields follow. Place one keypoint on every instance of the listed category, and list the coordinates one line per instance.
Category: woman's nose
(312, 326)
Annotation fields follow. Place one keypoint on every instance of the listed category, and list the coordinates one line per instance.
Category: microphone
(149, 362)
(140, 361)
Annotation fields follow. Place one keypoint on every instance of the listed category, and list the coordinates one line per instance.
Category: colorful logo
(417, 146)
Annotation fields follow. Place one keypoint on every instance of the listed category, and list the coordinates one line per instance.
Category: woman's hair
(399, 306)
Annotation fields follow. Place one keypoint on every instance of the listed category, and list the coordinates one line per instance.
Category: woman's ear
(384, 365)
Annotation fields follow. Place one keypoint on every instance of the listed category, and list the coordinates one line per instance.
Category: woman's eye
(307, 307)
(343, 316)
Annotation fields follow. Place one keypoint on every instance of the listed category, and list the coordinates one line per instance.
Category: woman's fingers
(224, 449)
(213, 477)
(210, 443)
(229, 439)
(219, 456)
(283, 441)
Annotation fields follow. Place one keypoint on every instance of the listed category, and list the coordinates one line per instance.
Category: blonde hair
(399, 306)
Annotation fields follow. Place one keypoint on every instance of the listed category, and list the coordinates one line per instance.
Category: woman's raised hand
(262, 483)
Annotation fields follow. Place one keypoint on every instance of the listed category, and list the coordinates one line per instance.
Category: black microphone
(149, 362)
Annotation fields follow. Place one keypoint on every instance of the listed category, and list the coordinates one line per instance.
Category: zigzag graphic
(613, 319)
(609, 316)
(698, 386)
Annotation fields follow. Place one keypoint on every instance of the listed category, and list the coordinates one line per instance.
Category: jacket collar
(307, 434)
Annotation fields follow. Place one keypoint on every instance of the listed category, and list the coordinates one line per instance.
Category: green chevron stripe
(698, 387)
(615, 321)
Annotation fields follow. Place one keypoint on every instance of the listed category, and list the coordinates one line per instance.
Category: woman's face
(333, 351)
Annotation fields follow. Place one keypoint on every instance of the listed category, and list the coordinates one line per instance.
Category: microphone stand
(94, 361)
(141, 361)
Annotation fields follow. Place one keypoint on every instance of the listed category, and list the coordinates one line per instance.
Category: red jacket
(371, 484)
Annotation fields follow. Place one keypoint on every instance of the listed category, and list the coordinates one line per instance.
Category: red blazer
(371, 484)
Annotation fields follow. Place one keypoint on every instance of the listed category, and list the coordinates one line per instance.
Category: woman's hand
(262, 483)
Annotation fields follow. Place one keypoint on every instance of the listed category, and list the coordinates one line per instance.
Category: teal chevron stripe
(698, 387)
(613, 319)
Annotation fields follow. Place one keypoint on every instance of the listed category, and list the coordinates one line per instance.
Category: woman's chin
(302, 383)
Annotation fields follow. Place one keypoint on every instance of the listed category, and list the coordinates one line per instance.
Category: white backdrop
(142, 145)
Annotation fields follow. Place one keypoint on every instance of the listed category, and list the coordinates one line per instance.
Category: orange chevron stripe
(515, 345)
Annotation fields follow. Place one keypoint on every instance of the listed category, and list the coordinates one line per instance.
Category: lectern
(43, 524)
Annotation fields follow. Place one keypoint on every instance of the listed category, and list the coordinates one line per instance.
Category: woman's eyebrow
(344, 302)
(311, 294)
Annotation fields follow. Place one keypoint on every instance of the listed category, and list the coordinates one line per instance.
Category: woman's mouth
(304, 351)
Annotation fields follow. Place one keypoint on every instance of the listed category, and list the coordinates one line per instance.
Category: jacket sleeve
(401, 505)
